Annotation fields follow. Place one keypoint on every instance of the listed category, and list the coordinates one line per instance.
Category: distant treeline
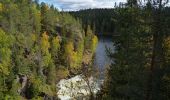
(100, 20)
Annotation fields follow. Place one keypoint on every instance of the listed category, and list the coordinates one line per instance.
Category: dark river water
(101, 59)
(73, 87)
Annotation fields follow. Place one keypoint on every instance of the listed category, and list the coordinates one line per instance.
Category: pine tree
(126, 75)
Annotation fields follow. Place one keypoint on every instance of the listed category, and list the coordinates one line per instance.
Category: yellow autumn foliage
(70, 54)
(45, 45)
(80, 52)
(1, 7)
(33, 37)
(56, 44)
(74, 58)
(94, 43)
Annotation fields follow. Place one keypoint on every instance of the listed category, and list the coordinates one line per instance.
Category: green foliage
(99, 19)
(55, 44)
(35, 41)
(48, 18)
(5, 52)
(90, 40)
(13, 91)
(165, 86)
(140, 62)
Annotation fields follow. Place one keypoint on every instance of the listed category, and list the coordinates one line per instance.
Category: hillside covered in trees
(38, 47)
(100, 20)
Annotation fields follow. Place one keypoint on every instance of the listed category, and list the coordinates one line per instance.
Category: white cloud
(82, 4)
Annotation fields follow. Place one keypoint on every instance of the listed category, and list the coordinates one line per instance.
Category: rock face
(77, 88)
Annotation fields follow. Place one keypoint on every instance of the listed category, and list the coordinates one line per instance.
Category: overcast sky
(81, 4)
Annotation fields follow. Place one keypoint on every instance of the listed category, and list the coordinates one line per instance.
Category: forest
(100, 20)
(40, 46)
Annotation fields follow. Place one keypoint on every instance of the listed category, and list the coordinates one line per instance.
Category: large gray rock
(77, 87)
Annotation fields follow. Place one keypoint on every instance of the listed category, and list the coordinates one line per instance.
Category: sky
(72, 5)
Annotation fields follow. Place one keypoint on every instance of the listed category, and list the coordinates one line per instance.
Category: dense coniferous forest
(100, 20)
(40, 45)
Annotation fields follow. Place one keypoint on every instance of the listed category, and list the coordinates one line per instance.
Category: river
(101, 59)
(76, 88)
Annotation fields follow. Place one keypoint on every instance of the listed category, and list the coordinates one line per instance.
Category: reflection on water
(76, 87)
(101, 60)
